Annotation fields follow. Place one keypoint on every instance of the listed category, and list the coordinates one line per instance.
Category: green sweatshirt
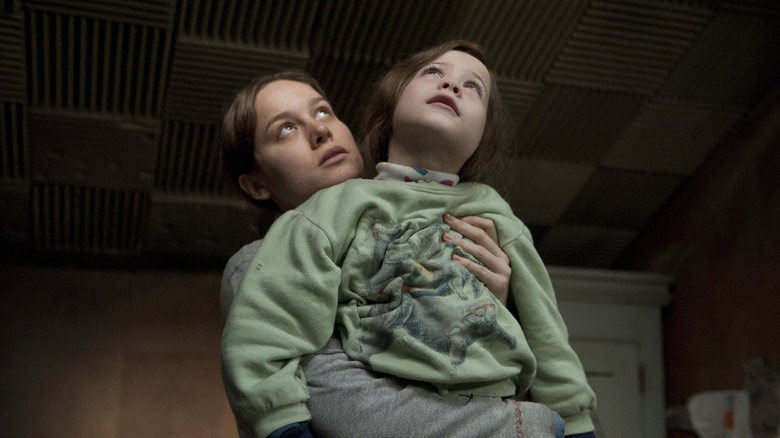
(367, 257)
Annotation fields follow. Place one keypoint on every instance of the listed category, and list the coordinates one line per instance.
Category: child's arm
(285, 309)
(560, 379)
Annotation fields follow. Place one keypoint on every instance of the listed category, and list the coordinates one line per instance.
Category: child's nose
(447, 84)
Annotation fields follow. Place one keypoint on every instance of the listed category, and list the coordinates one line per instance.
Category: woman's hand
(485, 247)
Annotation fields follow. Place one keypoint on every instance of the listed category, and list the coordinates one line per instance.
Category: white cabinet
(614, 322)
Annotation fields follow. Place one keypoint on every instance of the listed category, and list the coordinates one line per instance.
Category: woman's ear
(254, 187)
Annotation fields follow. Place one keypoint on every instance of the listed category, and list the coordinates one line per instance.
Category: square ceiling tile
(278, 26)
(89, 149)
(672, 136)
(540, 191)
(14, 165)
(205, 75)
(735, 61)
(575, 125)
(91, 63)
(620, 199)
(523, 38)
(628, 46)
(197, 225)
(378, 33)
(15, 205)
(12, 59)
(156, 13)
(189, 160)
(519, 97)
(87, 220)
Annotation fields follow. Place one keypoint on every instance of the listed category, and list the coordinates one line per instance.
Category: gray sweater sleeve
(234, 273)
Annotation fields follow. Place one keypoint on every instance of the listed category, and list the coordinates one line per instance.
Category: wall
(111, 354)
(720, 239)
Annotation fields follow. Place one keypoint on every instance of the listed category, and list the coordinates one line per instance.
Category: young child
(368, 258)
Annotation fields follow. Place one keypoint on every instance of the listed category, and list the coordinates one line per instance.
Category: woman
(281, 144)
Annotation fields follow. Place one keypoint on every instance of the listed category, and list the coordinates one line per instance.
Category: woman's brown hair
(377, 120)
(237, 137)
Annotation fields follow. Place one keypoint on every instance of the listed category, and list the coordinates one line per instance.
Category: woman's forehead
(284, 95)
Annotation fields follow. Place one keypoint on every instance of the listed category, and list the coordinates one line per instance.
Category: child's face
(446, 100)
(300, 145)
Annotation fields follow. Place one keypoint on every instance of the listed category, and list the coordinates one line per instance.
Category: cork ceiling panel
(110, 111)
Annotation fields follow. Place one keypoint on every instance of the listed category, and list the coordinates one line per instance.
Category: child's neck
(394, 172)
(422, 156)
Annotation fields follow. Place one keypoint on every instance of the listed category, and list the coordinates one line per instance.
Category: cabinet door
(612, 369)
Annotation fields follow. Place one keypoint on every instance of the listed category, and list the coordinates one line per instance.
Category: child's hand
(484, 246)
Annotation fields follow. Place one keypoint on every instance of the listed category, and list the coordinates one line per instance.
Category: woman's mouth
(447, 101)
(333, 155)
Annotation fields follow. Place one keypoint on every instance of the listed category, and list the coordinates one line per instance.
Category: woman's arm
(233, 275)
(483, 244)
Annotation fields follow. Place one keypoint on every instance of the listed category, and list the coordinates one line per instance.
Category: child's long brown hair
(377, 121)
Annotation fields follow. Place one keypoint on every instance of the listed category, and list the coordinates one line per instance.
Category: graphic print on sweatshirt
(415, 289)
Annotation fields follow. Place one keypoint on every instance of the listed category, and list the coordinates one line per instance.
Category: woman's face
(442, 112)
(300, 145)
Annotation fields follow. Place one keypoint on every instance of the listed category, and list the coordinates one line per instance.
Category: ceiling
(109, 111)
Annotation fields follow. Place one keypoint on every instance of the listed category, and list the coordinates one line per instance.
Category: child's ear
(254, 187)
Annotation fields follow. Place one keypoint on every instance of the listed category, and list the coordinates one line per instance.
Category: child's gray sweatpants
(349, 400)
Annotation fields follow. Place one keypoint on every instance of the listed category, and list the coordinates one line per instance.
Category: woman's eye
(322, 113)
(286, 129)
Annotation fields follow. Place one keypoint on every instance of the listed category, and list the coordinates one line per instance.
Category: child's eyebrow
(481, 79)
(484, 83)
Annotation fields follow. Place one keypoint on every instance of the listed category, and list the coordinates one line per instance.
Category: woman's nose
(320, 134)
(450, 85)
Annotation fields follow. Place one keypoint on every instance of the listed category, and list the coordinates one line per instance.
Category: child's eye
(322, 113)
(432, 71)
(474, 86)
(286, 129)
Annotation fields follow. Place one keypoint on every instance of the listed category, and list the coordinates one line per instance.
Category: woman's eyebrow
(314, 101)
(281, 115)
